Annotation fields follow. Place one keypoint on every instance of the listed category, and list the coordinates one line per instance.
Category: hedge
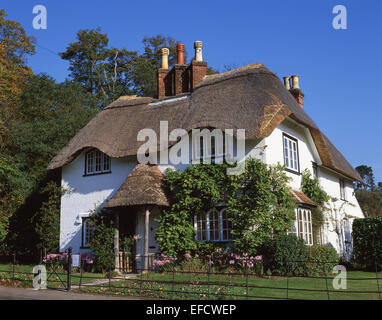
(367, 242)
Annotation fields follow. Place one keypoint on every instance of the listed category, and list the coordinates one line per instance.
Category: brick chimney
(179, 82)
(181, 78)
(198, 68)
(295, 90)
(162, 75)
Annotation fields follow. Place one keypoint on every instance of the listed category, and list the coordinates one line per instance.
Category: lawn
(360, 285)
(22, 276)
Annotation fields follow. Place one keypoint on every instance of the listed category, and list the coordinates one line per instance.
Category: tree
(15, 46)
(367, 176)
(105, 73)
(146, 66)
(369, 195)
(49, 115)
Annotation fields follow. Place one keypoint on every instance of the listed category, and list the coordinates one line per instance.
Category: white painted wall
(92, 191)
(88, 192)
(328, 179)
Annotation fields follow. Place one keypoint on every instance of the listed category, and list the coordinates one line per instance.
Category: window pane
(214, 225)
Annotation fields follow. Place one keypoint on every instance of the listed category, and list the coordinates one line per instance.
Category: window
(303, 225)
(96, 162)
(208, 145)
(342, 190)
(213, 225)
(290, 153)
(315, 170)
(86, 232)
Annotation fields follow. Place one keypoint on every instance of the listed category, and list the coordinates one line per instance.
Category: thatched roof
(301, 198)
(251, 98)
(143, 186)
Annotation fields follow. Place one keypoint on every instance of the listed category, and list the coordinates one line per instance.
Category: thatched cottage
(100, 163)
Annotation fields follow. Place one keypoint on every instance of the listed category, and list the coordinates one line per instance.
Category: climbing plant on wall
(259, 202)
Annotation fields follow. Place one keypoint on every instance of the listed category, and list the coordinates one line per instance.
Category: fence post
(376, 274)
(69, 280)
(326, 279)
(81, 266)
(246, 280)
(13, 266)
(287, 275)
(173, 280)
(208, 275)
(110, 267)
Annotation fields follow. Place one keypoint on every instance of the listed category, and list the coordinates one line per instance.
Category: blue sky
(340, 70)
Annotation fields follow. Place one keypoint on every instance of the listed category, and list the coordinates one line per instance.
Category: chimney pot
(295, 84)
(180, 53)
(296, 91)
(198, 45)
(165, 53)
(287, 82)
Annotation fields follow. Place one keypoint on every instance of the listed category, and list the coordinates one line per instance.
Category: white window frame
(303, 225)
(342, 190)
(204, 235)
(86, 232)
(290, 153)
(202, 149)
(97, 162)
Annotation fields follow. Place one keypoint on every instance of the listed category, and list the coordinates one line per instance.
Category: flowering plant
(164, 263)
(56, 261)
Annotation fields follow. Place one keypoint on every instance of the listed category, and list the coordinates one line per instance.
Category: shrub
(321, 259)
(102, 241)
(285, 255)
(367, 239)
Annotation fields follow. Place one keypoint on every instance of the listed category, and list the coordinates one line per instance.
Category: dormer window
(97, 162)
(208, 146)
(291, 160)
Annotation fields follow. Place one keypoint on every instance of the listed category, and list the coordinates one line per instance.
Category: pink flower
(187, 256)
(196, 256)
(258, 258)
(232, 262)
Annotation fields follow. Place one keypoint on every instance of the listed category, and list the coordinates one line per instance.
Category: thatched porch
(136, 205)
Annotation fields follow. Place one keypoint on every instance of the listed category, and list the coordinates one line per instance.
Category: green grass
(360, 285)
(188, 286)
(23, 276)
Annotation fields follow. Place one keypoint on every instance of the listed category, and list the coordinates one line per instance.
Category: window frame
(84, 235)
(315, 170)
(204, 235)
(203, 149)
(294, 140)
(342, 189)
(303, 228)
(102, 163)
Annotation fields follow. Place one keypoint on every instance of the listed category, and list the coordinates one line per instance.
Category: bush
(285, 255)
(102, 241)
(367, 239)
(321, 259)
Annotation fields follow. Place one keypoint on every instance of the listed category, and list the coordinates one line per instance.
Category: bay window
(303, 225)
(213, 225)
